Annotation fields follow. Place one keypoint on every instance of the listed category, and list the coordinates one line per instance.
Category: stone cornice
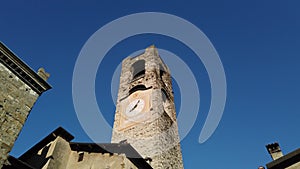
(24, 72)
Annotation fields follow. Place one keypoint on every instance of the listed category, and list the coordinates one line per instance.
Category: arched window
(138, 69)
(136, 88)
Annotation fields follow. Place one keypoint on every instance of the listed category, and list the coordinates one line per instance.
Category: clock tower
(145, 111)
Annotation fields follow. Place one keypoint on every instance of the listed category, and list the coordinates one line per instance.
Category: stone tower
(145, 112)
(20, 87)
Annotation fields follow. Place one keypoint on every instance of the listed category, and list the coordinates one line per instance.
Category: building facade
(56, 151)
(145, 112)
(20, 87)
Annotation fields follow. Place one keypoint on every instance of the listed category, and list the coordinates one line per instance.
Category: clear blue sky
(258, 43)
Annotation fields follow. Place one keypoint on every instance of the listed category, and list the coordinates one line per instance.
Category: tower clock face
(135, 107)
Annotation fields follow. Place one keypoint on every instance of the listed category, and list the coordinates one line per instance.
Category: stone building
(280, 161)
(145, 112)
(145, 131)
(56, 151)
(20, 87)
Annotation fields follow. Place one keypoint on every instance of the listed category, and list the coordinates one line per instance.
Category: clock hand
(135, 106)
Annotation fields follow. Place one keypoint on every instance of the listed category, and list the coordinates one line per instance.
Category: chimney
(43, 74)
(274, 150)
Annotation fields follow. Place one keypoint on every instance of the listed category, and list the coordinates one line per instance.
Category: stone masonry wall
(158, 137)
(99, 160)
(16, 101)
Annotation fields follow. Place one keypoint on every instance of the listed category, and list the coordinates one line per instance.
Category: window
(80, 156)
(138, 69)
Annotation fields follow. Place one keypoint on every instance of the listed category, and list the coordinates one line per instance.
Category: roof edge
(22, 70)
(286, 160)
(61, 132)
(112, 148)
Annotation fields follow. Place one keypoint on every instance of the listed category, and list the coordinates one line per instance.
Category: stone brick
(156, 137)
(17, 96)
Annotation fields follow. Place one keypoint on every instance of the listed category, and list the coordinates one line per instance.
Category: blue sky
(257, 41)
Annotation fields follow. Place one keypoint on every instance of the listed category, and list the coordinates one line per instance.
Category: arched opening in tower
(136, 88)
(138, 69)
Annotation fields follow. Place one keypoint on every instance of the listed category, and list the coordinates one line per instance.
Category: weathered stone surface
(16, 101)
(59, 155)
(56, 152)
(156, 137)
(19, 89)
(98, 160)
